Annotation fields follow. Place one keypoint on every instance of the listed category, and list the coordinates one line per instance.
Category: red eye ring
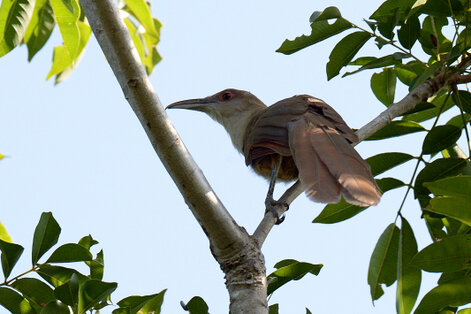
(226, 96)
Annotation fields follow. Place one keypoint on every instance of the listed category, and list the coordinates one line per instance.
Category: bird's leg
(270, 204)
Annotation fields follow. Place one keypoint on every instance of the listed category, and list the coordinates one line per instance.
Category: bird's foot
(275, 207)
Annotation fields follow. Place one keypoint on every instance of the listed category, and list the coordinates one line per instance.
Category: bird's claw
(271, 206)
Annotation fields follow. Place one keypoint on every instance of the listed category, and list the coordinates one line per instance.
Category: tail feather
(330, 166)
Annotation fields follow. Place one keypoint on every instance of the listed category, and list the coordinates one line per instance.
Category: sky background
(77, 150)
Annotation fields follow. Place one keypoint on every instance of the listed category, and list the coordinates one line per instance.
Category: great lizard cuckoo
(300, 137)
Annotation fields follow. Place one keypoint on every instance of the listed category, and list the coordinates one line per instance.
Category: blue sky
(77, 150)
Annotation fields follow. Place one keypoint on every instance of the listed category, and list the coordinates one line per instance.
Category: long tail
(329, 166)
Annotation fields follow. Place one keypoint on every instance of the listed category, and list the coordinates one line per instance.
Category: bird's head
(233, 108)
(222, 105)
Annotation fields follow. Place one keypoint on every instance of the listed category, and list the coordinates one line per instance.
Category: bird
(300, 137)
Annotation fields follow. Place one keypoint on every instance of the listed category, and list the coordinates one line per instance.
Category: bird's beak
(200, 104)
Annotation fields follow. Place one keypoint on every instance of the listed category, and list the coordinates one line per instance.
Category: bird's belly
(263, 166)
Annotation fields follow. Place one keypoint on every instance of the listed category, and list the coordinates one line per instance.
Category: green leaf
(385, 161)
(430, 71)
(141, 11)
(68, 292)
(390, 14)
(448, 255)
(439, 138)
(452, 186)
(92, 292)
(10, 254)
(46, 235)
(273, 309)
(408, 277)
(63, 64)
(452, 293)
(87, 242)
(40, 27)
(440, 168)
(460, 120)
(196, 306)
(67, 14)
(288, 270)
(4, 234)
(465, 311)
(333, 213)
(406, 73)
(97, 267)
(463, 99)
(327, 14)
(55, 307)
(439, 8)
(386, 184)
(58, 275)
(409, 32)
(454, 207)
(14, 302)
(431, 37)
(383, 85)
(35, 290)
(383, 262)
(147, 303)
(14, 18)
(70, 252)
(396, 128)
(374, 63)
(320, 30)
(344, 52)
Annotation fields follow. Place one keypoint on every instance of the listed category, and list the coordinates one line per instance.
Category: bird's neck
(237, 122)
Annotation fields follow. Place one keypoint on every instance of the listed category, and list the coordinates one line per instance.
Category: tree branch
(239, 256)
(117, 45)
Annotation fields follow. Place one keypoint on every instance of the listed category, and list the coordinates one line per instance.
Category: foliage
(51, 288)
(32, 22)
(417, 33)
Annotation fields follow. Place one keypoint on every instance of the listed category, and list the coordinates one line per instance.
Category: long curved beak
(199, 104)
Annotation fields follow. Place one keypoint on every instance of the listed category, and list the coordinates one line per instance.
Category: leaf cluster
(51, 288)
(441, 184)
(32, 22)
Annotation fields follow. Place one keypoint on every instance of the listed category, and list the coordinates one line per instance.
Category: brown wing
(319, 141)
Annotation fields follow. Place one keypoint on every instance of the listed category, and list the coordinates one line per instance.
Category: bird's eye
(226, 96)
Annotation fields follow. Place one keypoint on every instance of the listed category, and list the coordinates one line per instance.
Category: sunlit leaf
(383, 262)
(67, 14)
(141, 10)
(4, 234)
(55, 307)
(14, 302)
(344, 52)
(14, 18)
